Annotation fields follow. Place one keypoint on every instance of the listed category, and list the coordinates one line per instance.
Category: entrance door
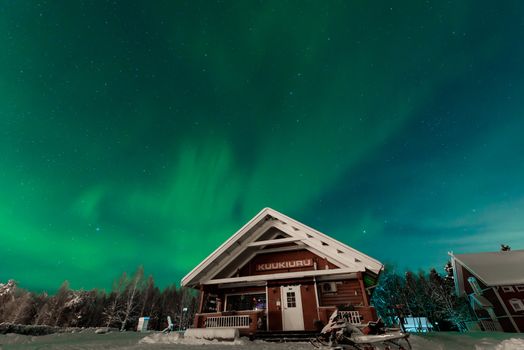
(292, 316)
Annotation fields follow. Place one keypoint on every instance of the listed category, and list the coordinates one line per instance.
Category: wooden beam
(283, 275)
(275, 241)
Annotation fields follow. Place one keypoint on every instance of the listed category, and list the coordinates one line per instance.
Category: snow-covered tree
(130, 298)
(112, 310)
(131, 301)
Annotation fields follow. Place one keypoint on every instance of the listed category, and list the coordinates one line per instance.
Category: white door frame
(292, 312)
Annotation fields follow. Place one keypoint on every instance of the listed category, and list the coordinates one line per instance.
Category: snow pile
(161, 338)
(6, 328)
(511, 344)
(467, 341)
(181, 339)
(228, 334)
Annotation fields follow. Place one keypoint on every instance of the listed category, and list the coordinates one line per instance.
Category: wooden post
(363, 289)
(201, 299)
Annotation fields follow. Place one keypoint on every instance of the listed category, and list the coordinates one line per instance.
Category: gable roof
(245, 242)
(495, 268)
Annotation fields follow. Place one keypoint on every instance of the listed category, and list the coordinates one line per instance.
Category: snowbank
(228, 334)
(88, 340)
(161, 338)
(6, 328)
(196, 337)
(511, 344)
(468, 341)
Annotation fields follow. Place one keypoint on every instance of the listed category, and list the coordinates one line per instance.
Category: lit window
(517, 304)
(210, 303)
(507, 289)
(520, 288)
(246, 302)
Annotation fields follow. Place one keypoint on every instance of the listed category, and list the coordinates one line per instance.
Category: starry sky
(148, 132)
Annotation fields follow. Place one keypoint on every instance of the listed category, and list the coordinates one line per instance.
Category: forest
(421, 294)
(397, 295)
(130, 298)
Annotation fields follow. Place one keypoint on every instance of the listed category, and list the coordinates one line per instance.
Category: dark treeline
(421, 295)
(132, 297)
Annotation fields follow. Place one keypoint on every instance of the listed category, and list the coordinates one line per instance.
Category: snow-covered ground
(88, 340)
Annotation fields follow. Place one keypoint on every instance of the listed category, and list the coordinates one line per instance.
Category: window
(291, 300)
(517, 304)
(520, 288)
(507, 289)
(210, 303)
(240, 302)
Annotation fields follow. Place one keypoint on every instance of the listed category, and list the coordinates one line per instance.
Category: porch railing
(490, 326)
(236, 321)
(352, 317)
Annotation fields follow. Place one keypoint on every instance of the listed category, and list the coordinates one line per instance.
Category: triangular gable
(253, 237)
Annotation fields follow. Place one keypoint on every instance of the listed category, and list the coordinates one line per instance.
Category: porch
(255, 321)
(247, 322)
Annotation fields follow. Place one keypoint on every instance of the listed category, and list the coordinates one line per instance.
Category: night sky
(149, 132)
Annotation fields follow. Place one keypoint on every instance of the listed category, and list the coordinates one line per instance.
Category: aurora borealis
(148, 132)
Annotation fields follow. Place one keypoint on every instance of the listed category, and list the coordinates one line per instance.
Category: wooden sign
(291, 264)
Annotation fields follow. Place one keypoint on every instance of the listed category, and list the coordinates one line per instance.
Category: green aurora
(148, 132)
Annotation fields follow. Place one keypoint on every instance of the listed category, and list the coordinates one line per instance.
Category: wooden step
(284, 336)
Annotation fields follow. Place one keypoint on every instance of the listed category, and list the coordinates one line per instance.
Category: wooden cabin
(494, 285)
(277, 274)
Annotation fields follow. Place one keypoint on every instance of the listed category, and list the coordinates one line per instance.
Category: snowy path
(130, 340)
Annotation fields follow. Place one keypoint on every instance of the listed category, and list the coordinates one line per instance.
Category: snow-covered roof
(249, 241)
(495, 268)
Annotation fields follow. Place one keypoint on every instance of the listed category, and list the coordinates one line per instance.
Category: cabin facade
(276, 274)
(494, 285)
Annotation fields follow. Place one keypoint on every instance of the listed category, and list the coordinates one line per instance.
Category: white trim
(316, 297)
(457, 275)
(242, 284)
(378, 266)
(516, 304)
(274, 241)
(331, 248)
(520, 288)
(231, 257)
(286, 249)
(279, 276)
(233, 321)
(267, 308)
(251, 223)
(272, 223)
(506, 310)
(507, 289)
(298, 309)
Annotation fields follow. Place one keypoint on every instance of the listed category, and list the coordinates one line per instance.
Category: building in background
(277, 274)
(415, 324)
(494, 285)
